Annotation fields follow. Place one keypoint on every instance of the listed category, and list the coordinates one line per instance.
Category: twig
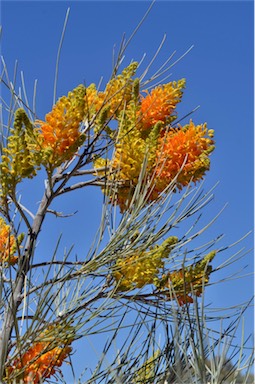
(60, 214)
(58, 56)
(21, 212)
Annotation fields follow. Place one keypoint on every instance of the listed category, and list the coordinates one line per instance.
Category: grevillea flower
(160, 103)
(183, 153)
(115, 97)
(131, 149)
(184, 282)
(127, 159)
(20, 159)
(136, 271)
(60, 135)
(118, 91)
(38, 365)
(141, 269)
(146, 373)
(94, 101)
(127, 162)
(145, 137)
(8, 244)
(41, 360)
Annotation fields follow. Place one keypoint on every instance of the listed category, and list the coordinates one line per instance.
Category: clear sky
(219, 73)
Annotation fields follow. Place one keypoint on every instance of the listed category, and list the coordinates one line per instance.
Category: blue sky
(219, 73)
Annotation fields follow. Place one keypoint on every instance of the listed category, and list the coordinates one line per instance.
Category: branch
(95, 182)
(81, 172)
(60, 214)
(21, 210)
(15, 299)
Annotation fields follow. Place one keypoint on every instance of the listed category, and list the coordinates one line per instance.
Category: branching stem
(15, 298)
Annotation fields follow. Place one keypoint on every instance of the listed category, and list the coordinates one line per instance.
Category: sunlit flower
(141, 269)
(126, 163)
(124, 169)
(7, 245)
(132, 152)
(60, 133)
(119, 89)
(185, 282)
(160, 103)
(43, 364)
(41, 360)
(116, 96)
(94, 101)
(178, 155)
(136, 271)
(19, 159)
(183, 153)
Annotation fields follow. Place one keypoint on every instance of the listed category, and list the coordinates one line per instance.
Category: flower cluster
(146, 134)
(185, 282)
(139, 123)
(146, 373)
(146, 267)
(160, 104)
(115, 97)
(8, 244)
(183, 154)
(48, 143)
(20, 159)
(141, 269)
(41, 360)
(60, 135)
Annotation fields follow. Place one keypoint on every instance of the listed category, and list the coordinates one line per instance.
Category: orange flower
(59, 134)
(160, 103)
(38, 368)
(40, 361)
(184, 299)
(183, 152)
(7, 244)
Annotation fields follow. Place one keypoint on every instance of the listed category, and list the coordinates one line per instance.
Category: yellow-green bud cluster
(19, 159)
(141, 269)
